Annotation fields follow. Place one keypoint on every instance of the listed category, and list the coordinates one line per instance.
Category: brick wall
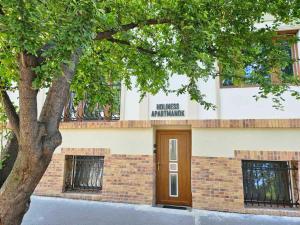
(126, 178)
(217, 123)
(217, 182)
(52, 182)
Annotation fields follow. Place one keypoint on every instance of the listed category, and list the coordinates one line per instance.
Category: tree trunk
(37, 137)
(31, 162)
(20, 184)
(11, 151)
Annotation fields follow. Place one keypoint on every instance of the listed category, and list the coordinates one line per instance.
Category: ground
(57, 211)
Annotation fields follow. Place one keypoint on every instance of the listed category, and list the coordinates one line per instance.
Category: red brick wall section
(217, 183)
(246, 123)
(52, 182)
(267, 155)
(127, 178)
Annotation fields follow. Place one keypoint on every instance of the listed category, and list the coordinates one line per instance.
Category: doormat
(175, 207)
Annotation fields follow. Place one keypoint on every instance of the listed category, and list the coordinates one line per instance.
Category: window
(173, 149)
(173, 184)
(270, 183)
(84, 173)
(173, 167)
(245, 77)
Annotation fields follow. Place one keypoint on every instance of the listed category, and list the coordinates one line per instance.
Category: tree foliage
(150, 40)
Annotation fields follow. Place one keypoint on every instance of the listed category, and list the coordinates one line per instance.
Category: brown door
(173, 168)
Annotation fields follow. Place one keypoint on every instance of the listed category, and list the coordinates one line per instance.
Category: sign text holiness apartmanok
(167, 110)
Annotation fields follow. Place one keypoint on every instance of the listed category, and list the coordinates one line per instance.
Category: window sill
(89, 196)
(89, 120)
(262, 206)
(83, 192)
(244, 86)
(248, 86)
(291, 212)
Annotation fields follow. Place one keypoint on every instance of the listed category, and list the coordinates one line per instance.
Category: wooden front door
(173, 168)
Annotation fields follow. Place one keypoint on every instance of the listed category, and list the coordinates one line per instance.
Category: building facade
(168, 150)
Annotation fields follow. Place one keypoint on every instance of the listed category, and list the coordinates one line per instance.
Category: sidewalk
(57, 211)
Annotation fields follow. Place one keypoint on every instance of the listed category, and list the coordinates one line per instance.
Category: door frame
(170, 131)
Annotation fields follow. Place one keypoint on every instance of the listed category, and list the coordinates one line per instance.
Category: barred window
(80, 108)
(270, 183)
(84, 173)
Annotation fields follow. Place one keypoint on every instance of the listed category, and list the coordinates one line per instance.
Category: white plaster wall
(208, 142)
(41, 97)
(211, 90)
(14, 96)
(176, 81)
(232, 103)
(144, 108)
(131, 107)
(238, 103)
(213, 142)
(269, 21)
(119, 141)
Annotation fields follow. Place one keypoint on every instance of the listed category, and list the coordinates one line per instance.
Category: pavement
(58, 211)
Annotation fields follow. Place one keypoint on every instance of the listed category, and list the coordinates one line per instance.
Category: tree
(88, 44)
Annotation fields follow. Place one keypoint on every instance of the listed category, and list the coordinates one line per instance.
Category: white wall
(41, 97)
(14, 96)
(176, 81)
(207, 142)
(238, 103)
(132, 109)
(269, 22)
(222, 142)
(119, 141)
(232, 103)
(211, 90)
(131, 105)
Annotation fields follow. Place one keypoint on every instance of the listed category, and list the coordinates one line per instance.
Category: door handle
(158, 165)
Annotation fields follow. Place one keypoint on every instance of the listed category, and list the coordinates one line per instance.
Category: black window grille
(270, 183)
(84, 173)
(86, 110)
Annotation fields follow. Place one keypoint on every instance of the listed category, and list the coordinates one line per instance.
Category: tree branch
(27, 99)
(11, 113)
(109, 33)
(9, 155)
(1, 10)
(57, 96)
(144, 50)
